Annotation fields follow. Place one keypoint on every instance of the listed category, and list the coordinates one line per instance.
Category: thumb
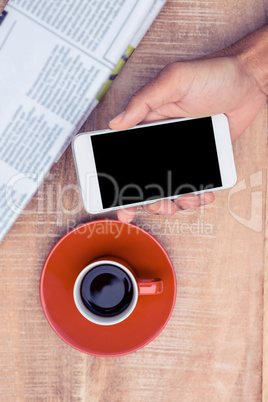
(136, 111)
(162, 90)
(148, 98)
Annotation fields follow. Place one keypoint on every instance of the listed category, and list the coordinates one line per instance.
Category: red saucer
(74, 252)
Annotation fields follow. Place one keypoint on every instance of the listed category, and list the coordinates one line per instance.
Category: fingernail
(152, 208)
(118, 118)
(184, 207)
(202, 199)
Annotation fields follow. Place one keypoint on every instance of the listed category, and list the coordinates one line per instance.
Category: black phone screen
(155, 162)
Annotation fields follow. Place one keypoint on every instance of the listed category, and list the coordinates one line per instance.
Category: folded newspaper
(58, 58)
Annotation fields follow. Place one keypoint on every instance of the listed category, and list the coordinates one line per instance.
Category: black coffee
(106, 290)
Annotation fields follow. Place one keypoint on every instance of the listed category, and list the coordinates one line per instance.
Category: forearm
(2, 5)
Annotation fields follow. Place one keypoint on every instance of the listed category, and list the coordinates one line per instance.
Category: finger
(187, 201)
(152, 96)
(206, 198)
(126, 215)
(166, 112)
(162, 207)
(136, 111)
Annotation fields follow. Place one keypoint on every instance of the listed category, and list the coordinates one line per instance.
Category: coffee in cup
(106, 291)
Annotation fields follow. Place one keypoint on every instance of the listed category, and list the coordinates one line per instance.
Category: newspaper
(58, 58)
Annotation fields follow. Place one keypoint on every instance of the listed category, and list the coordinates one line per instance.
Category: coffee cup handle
(150, 286)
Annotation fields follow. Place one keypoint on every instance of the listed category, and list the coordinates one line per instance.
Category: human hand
(3, 3)
(193, 89)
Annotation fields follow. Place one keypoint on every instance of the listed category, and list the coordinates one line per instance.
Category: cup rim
(94, 318)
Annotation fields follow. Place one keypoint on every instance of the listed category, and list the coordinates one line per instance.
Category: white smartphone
(150, 162)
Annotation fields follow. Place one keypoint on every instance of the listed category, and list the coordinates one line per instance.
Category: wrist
(251, 53)
(254, 58)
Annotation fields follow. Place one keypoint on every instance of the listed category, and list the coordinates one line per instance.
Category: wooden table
(215, 345)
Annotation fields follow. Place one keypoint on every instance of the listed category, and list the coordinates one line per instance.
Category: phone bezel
(87, 173)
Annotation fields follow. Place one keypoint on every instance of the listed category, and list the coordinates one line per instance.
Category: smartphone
(150, 162)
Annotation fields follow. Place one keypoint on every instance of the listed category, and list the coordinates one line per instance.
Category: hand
(3, 3)
(193, 89)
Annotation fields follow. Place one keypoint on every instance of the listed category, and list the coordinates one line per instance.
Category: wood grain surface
(212, 347)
